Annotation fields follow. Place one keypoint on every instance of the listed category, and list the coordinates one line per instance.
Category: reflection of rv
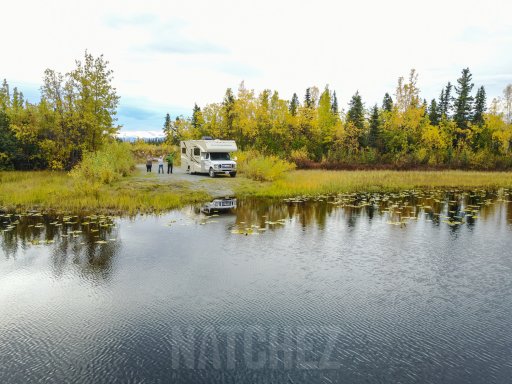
(219, 205)
(208, 156)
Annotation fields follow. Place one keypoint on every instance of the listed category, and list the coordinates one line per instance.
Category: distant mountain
(134, 135)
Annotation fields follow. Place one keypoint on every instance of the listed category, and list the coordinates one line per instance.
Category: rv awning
(217, 145)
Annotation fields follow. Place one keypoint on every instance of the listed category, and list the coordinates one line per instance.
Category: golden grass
(57, 190)
(319, 182)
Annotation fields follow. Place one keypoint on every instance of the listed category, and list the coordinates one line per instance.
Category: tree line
(458, 129)
(75, 115)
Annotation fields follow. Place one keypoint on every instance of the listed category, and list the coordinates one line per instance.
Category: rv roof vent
(207, 138)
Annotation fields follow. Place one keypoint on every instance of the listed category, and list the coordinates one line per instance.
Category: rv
(208, 156)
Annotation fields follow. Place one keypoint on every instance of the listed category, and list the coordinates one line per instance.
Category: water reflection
(85, 244)
(441, 208)
(410, 287)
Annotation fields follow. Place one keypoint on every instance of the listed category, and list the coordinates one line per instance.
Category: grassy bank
(318, 182)
(57, 190)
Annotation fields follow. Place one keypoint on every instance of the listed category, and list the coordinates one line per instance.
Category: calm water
(413, 287)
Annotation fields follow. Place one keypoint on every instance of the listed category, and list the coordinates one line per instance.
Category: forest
(76, 116)
(457, 130)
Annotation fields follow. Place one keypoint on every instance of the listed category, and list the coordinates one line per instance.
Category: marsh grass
(57, 190)
(319, 182)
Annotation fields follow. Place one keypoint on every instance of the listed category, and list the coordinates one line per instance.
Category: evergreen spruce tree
(387, 103)
(228, 109)
(334, 104)
(445, 101)
(480, 107)
(294, 105)
(464, 101)
(196, 117)
(308, 102)
(356, 120)
(433, 113)
(374, 133)
(5, 96)
(167, 123)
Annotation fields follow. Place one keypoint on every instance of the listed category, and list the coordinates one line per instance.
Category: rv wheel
(232, 174)
(212, 174)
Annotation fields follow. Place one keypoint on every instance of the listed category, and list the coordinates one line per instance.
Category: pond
(407, 287)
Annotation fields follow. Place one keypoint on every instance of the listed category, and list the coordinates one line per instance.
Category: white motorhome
(208, 156)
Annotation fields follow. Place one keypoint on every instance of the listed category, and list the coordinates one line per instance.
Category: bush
(301, 158)
(111, 163)
(263, 168)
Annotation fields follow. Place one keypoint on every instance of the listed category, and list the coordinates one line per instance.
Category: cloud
(239, 69)
(177, 45)
(139, 20)
(166, 36)
(136, 113)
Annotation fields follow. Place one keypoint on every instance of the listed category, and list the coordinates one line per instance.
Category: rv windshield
(219, 156)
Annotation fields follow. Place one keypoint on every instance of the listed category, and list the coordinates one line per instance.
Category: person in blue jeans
(161, 164)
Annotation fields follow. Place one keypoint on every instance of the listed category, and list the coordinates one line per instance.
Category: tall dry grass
(316, 182)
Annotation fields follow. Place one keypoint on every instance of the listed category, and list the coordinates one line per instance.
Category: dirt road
(220, 186)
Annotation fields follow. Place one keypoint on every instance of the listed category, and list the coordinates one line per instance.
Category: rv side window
(207, 155)
(184, 150)
(197, 151)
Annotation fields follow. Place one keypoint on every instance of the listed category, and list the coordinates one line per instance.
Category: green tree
(229, 114)
(464, 100)
(294, 105)
(94, 98)
(197, 122)
(308, 102)
(5, 96)
(480, 107)
(374, 133)
(445, 101)
(167, 123)
(387, 103)
(433, 113)
(356, 121)
(8, 144)
(334, 104)
(326, 120)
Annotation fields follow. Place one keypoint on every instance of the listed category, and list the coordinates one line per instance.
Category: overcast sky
(168, 55)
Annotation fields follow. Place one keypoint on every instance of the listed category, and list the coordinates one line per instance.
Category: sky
(168, 55)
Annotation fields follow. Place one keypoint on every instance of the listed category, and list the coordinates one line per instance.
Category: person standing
(149, 164)
(170, 162)
(161, 164)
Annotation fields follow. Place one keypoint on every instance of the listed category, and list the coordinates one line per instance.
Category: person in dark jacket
(149, 164)
(170, 162)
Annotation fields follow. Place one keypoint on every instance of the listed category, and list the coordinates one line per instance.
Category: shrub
(301, 158)
(111, 163)
(263, 168)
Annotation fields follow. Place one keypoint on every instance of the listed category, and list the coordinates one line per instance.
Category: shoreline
(153, 193)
